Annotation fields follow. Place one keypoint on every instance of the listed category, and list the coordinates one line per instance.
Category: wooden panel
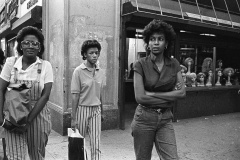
(207, 102)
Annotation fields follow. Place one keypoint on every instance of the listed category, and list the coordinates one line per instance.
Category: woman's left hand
(178, 86)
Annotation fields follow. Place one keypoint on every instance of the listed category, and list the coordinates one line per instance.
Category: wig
(226, 71)
(29, 30)
(200, 74)
(205, 66)
(183, 68)
(89, 44)
(159, 26)
(189, 59)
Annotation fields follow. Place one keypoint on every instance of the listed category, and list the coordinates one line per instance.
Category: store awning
(32, 18)
(207, 15)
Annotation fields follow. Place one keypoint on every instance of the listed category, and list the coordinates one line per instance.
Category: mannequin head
(219, 63)
(189, 62)
(210, 74)
(207, 65)
(228, 72)
(219, 72)
(200, 77)
(193, 76)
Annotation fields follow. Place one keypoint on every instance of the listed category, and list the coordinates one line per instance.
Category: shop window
(197, 62)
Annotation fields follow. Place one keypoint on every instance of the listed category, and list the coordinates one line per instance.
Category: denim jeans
(150, 127)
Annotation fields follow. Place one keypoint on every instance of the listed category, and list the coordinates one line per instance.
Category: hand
(21, 129)
(8, 125)
(74, 124)
(178, 86)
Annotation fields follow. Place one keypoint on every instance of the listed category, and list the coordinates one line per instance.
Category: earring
(165, 47)
(148, 48)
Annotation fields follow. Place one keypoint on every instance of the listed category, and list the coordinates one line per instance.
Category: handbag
(76, 145)
(17, 104)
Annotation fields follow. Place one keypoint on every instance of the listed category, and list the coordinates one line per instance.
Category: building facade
(205, 29)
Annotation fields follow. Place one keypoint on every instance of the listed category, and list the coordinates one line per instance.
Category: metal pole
(137, 5)
(215, 12)
(181, 8)
(160, 7)
(238, 5)
(214, 65)
(228, 13)
(199, 11)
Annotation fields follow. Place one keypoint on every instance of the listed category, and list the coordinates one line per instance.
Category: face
(201, 78)
(230, 72)
(92, 55)
(210, 73)
(220, 73)
(157, 43)
(30, 46)
(220, 64)
(189, 63)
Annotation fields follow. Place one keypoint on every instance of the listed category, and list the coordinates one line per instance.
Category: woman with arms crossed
(157, 84)
(31, 70)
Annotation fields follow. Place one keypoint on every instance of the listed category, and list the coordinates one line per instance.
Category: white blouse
(30, 74)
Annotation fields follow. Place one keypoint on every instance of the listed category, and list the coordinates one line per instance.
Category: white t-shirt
(30, 74)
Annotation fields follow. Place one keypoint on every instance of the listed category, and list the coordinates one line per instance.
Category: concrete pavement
(203, 138)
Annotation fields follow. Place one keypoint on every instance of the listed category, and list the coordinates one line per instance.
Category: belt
(158, 110)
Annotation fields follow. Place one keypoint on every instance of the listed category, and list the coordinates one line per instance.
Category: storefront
(206, 30)
(16, 14)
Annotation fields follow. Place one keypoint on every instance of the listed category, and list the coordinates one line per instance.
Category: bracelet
(3, 122)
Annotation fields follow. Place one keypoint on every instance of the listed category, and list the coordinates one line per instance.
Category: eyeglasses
(28, 44)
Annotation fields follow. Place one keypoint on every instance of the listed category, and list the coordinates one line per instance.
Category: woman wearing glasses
(35, 73)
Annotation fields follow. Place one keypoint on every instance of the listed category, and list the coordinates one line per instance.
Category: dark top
(153, 79)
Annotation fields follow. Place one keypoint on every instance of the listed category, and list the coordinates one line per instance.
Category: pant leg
(16, 146)
(94, 130)
(37, 135)
(165, 141)
(144, 127)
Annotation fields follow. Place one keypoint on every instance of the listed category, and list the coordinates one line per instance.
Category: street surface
(203, 138)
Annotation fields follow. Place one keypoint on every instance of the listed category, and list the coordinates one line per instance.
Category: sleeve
(7, 68)
(76, 83)
(137, 67)
(48, 77)
(178, 67)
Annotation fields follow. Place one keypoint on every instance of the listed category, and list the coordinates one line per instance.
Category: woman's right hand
(74, 124)
(8, 125)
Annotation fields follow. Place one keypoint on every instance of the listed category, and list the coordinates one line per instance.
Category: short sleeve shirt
(88, 85)
(30, 74)
(153, 79)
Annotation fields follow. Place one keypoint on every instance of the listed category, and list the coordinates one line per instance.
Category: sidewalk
(204, 138)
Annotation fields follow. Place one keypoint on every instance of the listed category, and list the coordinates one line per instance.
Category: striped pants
(89, 120)
(33, 142)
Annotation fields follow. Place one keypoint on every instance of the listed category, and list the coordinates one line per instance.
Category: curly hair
(160, 26)
(205, 66)
(29, 30)
(89, 44)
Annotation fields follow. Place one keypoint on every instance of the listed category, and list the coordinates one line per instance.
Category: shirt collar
(18, 63)
(167, 60)
(83, 66)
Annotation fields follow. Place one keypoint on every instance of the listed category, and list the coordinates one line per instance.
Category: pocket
(138, 113)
